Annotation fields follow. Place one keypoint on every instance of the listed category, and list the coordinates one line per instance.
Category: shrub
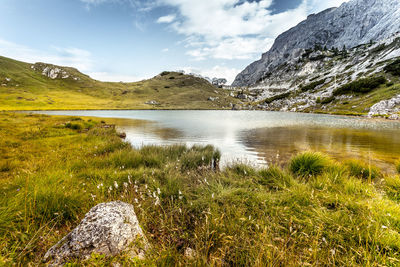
(308, 163)
(361, 86)
(165, 73)
(393, 68)
(362, 170)
(312, 85)
(277, 97)
(73, 126)
(389, 84)
(327, 100)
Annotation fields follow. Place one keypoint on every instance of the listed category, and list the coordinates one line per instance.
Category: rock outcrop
(390, 108)
(54, 72)
(108, 229)
(353, 23)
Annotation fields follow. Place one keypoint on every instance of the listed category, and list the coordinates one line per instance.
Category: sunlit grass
(398, 166)
(362, 170)
(308, 164)
(30, 90)
(53, 173)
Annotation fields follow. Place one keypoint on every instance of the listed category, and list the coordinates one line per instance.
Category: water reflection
(278, 144)
(259, 137)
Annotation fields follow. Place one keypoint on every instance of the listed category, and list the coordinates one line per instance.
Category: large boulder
(108, 229)
(386, 108)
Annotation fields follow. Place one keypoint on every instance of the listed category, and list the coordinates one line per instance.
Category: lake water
(260, 137)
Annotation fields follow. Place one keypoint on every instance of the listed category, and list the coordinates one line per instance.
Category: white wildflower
(136, 200)
(158, 191)
(384, 227)
(154, 194)
(157, 201)
(115, 184)
(212, 195)
(125, 185)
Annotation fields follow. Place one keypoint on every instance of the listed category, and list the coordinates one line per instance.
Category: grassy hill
(25, 86)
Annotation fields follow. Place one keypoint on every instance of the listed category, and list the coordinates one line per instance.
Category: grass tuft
(275, 178)
(362, 170)
(308, 164)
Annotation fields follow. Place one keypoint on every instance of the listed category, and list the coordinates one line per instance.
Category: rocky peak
(353, 23)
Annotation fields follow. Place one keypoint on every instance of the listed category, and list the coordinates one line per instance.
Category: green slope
(24, 87)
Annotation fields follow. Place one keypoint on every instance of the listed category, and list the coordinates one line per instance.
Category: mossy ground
(30, 90)
(54, 169)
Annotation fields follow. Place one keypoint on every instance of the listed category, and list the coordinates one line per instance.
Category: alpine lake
(259, 138)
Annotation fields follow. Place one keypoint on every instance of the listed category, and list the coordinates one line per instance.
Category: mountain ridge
(353, 23)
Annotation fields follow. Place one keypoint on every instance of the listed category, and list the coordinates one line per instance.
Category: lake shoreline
(364, 116)
(56, 168)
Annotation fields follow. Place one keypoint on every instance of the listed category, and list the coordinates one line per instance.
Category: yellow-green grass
(28, 89)
(398, 166)
(54, 169)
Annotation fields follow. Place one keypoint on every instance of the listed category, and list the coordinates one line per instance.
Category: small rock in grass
(107, 229)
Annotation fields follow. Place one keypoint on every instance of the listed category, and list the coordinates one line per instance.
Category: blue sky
(129, 40)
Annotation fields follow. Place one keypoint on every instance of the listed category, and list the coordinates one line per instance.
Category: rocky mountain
(353, 23)
(333, 80)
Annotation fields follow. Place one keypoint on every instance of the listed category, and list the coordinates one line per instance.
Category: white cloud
(166, 19)
(235, 29)
(72, 57)
(228, 29)
(165, 50)
(215, 72)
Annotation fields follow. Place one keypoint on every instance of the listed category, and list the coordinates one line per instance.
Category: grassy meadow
(312, 211)
(23, 87)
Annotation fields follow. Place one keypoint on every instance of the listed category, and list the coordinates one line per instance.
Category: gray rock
(190, 253)
(107, 229)
(242, 96)
(386, 108)
(152, 102)
(353, 23)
